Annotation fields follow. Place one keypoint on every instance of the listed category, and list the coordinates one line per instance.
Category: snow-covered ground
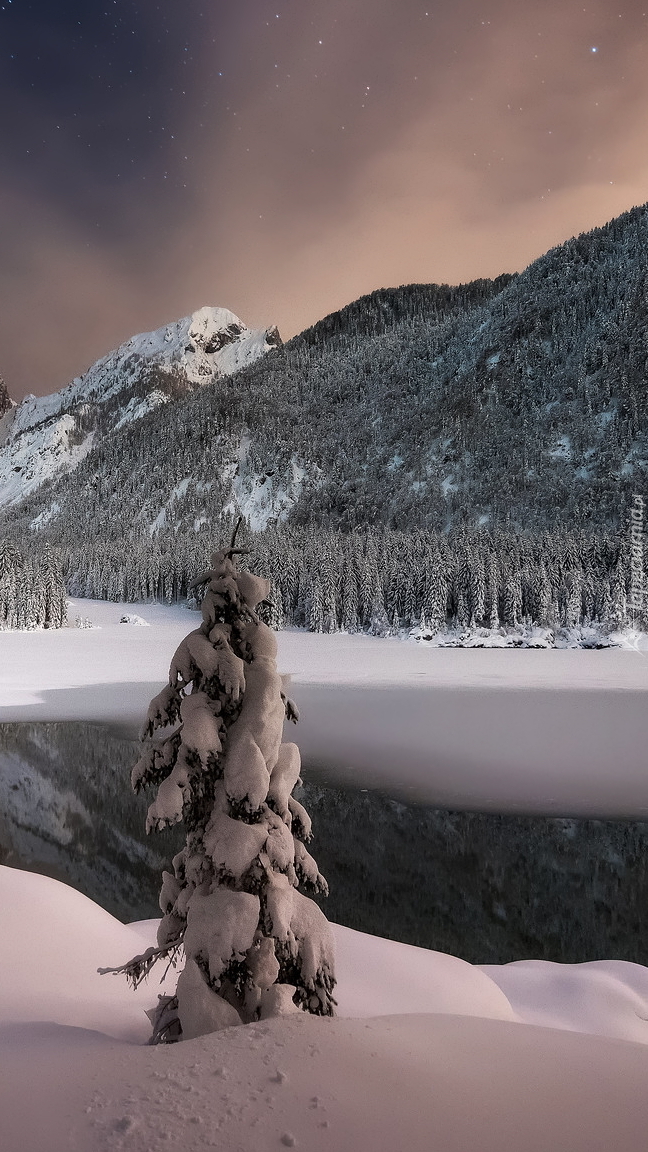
(428, 1051)
(559, 732)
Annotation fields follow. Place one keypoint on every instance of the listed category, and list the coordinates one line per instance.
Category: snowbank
(428, 1052)
(55, 938)
(534, 636)
(52, 943)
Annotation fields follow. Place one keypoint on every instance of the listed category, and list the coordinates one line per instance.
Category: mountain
(519, 403)
(46, 435)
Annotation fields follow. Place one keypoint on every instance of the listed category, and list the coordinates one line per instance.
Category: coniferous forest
(32, 594)
(386, 581)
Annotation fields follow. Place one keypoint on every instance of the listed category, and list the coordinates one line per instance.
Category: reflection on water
(484, 887)
(67, 810)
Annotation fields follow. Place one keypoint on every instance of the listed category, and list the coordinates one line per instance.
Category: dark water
(484, 887)
(67, 810)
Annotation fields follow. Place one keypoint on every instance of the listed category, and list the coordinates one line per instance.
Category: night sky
(281, 158)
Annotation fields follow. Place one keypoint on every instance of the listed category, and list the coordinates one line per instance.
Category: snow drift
(429, 1051)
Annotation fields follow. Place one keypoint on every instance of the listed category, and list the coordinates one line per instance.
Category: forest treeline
(386, 581)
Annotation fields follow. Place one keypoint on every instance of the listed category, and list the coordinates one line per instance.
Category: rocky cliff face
(47, 435)
(6, 402)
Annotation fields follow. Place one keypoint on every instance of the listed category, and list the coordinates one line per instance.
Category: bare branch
(139, 967)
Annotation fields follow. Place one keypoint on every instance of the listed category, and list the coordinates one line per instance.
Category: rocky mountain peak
(46, 434)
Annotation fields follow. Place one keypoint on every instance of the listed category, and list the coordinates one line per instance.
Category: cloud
(493, 154)
(282, 177)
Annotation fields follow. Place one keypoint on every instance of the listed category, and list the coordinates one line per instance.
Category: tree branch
(139, 967)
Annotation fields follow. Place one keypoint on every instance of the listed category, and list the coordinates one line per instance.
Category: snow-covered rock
(529, 636)
(44, 435)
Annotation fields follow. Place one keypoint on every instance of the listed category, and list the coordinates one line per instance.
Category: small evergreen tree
(349, 592)
(255, 946)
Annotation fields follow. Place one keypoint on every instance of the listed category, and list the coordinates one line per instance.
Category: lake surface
(489, 888)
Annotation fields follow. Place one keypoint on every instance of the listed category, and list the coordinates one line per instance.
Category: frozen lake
(562, 733)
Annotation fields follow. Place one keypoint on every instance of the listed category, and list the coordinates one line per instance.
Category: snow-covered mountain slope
(48, 434)
(516, 403)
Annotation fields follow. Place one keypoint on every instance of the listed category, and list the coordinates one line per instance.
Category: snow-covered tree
(491, 592)
(255, 946)
(31, 590)
(435, 595)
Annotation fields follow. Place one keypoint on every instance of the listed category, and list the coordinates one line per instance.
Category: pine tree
(254, 945)
(512, 596)
(330, 591)
(492, 591)
(573, 601)
(315, 610)
(349, 593)
(541, 594)
(435, 594)
(618, 605)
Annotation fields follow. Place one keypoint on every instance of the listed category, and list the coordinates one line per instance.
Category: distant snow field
(428, 1052)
